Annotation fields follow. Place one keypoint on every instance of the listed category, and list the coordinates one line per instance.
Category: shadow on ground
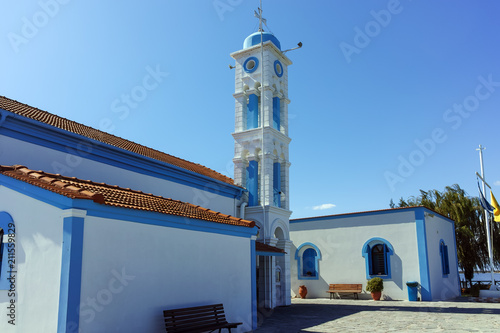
(297, 317)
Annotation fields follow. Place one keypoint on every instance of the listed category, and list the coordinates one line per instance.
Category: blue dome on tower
(254, 39)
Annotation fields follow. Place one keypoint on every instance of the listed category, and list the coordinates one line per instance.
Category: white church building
(101, 234)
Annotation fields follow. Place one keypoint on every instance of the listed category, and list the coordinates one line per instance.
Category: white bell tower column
(261, 154)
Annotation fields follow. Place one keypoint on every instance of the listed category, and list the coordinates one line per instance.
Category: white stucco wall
(38, 260)
(161, 268)
(340, 241)
(442, 287)
(36, 157)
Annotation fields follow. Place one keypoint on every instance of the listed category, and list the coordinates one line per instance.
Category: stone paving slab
(324, 315)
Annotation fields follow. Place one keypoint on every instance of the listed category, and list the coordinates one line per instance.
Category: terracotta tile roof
(261, 247)
(116, 196)
(89, 132)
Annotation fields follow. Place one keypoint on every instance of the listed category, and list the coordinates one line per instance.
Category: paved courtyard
(324, 315)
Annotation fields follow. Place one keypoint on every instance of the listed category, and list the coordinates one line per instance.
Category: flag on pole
(496, 211)
(484, 203)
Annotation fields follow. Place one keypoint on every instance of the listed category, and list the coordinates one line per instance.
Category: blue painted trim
(253, 273)
(252, 113)
(41, 134)
(125, 214)
(36, 192)
(258, 37)
(163, 220)
(445, 261)
(277, 184)
(371, 213)
(298, 257)
(366, 253)
(277, 62)
(423, 260)
(275, 254)
(71, 275)
(276, 113)
(251, 70)
(9, 247)
(3, 116)
(252, 183)
(459, 290)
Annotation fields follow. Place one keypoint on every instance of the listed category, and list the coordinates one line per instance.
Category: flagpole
(486, 219)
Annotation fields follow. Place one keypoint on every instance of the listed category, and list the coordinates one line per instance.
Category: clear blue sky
(374, 84)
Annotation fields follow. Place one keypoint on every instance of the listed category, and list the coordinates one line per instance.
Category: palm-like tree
(470, 233)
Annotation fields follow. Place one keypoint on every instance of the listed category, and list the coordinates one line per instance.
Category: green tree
(470, 233)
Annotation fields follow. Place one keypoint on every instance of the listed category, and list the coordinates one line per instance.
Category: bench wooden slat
(200, 325)
(192, 319)
(336, 288)
(196, 309)
(197, 319)
(186, 316)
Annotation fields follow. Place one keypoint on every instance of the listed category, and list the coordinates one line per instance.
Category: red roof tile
(89, 132)
(261, 247)
(116, 196)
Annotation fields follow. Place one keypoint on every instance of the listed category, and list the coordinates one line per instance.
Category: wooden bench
(345, 288)
(206, 318)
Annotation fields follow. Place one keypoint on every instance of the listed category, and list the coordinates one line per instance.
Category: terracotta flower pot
(376, 295)
(302, 291)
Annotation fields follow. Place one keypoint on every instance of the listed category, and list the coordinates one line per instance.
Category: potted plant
(375, 286)
(302, 291)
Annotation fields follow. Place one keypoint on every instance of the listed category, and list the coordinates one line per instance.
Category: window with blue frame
(309, 262)
(377, 253)
(308, 256)
(252, 183)
(252, 111)
(277, 184)
(445, 262)
(276, 113)
(379, 260)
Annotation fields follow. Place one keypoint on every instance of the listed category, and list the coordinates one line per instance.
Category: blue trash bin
(412, 290)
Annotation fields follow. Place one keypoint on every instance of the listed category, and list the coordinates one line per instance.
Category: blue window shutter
(277, 184)
(369, 252)
(445, 263)
(253, 111)
(309, 262)
(441, 252)
(386, 258)
(252, 183)
(446, 260)
(379, 259)
(276, 113)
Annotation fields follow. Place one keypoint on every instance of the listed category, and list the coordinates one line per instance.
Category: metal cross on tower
(259, 16)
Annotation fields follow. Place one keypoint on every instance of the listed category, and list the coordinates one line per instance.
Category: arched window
(308, 256)
(309, 262)
(445, 262)
(379, 262)
(377, 253)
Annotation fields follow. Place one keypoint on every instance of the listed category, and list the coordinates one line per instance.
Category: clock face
(278, 68)
(251, 64)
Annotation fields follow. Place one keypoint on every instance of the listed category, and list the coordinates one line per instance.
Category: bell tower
(261, 156)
